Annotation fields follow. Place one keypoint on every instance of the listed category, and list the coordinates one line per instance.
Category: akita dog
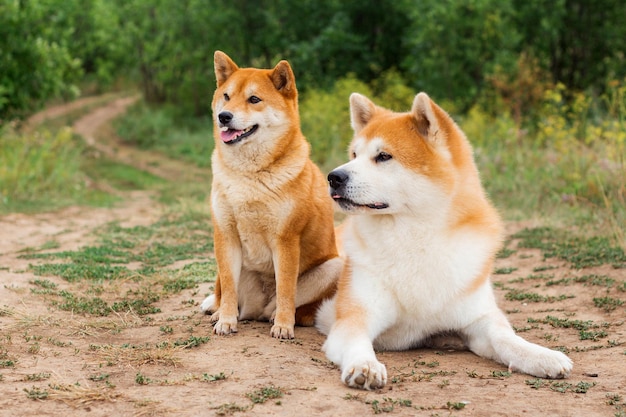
(272, 217)
(419, 248)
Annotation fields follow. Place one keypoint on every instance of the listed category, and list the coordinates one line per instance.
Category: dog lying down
(419, 248)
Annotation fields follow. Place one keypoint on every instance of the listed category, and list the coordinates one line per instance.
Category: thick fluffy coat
(419, 246)
(272, 217)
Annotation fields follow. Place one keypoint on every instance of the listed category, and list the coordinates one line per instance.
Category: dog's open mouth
(348, 204)
(232, 136)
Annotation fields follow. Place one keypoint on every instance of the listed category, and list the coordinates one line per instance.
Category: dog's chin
(231, 136)
(348, 205)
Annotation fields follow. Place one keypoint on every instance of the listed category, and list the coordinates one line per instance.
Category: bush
(38, 166)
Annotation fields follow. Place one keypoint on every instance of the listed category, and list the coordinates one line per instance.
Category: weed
(505, 253)
(565, 323)
(543, 268)
(580, 252)
(166, 329)
(100, 377)
(582, 387)
(36, 394)
(76, 271)
(192, 341)
(501, 374)
(516, 295)
(444, 383)
(262, 395)
(535, 383)
(44, 283)
(560, 386)
(608, 304)
(229, 408)
(455, 406)
(7, 363)
(211, 378)
(592, 335)
(141, 379)
(504, 271)
(613, 399)
(37, 377)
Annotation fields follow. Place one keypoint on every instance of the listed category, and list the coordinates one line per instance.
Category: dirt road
(55, 362)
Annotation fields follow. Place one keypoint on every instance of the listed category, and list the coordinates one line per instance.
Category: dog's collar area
(231, 136)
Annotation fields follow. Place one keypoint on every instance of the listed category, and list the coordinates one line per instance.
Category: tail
(325, 317)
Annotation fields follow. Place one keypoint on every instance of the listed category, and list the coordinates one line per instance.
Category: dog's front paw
(208, 305)
(225, 325)
(369, 375)
(544, 364)
(282, 331)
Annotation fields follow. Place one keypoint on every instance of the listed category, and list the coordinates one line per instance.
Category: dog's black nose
(225, 117)
(337, 178)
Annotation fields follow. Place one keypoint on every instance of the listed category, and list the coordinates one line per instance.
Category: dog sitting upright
(420, 246)
(272, 217)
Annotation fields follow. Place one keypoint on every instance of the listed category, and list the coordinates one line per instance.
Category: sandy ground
(62, 354)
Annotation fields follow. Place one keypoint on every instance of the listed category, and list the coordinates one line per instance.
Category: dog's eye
(226, 97)
(254, 99)
(353, 155)
(382, 157)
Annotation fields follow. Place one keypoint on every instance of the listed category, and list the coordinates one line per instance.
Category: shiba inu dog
(419, 246)
(272, 217)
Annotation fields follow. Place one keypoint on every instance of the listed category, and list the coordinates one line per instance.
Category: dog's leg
(286, 264)
(313, 287)
(229, 260)
(349, 346)
(358, 322)
(492, 337)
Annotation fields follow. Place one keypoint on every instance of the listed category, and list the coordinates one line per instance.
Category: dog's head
(400, 162)
(250, 104)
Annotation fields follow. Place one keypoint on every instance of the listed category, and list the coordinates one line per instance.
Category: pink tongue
(230, 134)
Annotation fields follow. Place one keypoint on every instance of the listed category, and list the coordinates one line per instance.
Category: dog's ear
(283, 79)
(224, 67)
(423, 111)
(361, 111)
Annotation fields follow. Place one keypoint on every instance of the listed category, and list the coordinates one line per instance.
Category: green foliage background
(450, 48)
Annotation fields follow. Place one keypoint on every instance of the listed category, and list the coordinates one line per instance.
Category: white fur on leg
(492, 337)
(356, 358)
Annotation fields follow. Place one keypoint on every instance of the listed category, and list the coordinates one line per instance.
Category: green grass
(166, 130)
(177, 236)
(515, 295)
(266, 393)
(561, 386)
(41, 170)
(121, 176)
(580, 252)
(608, 304)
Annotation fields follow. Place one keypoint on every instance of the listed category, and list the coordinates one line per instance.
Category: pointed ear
(224, 67)
(283, 78)
(361, 111)
(424, 113)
